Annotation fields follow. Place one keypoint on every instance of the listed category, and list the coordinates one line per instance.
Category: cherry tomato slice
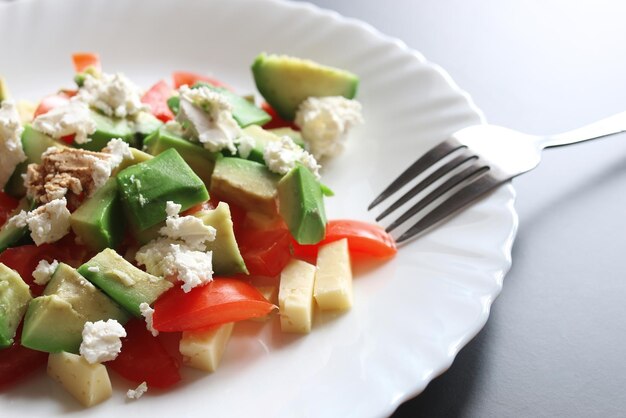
(364, 239)
(184, 77)
(156, 97)
(7, 206)
(218, 302)
(84, 60)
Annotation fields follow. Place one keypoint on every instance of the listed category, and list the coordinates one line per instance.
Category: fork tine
(452, 182)
(470, 193)
(435, 154)
(419, 187)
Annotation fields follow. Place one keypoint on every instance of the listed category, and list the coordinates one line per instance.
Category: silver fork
(471, 163)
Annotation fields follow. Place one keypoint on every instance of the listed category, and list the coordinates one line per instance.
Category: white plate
(411, 315)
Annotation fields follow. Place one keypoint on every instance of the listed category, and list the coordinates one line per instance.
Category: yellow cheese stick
(333, 281)
(295, 296)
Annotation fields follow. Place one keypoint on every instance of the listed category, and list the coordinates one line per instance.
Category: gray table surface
(554, 343)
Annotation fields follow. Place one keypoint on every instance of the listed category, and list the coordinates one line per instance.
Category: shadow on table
(448, 394)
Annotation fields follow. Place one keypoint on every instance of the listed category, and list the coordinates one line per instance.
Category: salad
(138, 227)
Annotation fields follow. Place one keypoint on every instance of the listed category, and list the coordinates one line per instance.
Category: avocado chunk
(199, 159)
(11, 235)
(245, 183)
(54, 321)
(227, 259)
(261, 138)
(34, 144)
(107, 128)
(99, 222)
(138, 157)
(301, 205)
(245, 112)
(285, 82)
(123, 282)
(14, 298)
(145, 188)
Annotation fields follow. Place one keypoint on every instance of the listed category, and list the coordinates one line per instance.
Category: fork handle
(609, 126)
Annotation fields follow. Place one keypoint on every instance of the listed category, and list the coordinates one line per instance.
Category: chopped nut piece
(66, 170)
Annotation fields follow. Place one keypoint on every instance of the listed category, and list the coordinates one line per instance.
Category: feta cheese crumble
(11, 152)
(282, 156)
(170, 258)
(44, 271)
(325, 122)
(48, 223)
(94, 269)
(138, 392)
(101, 341)
(245, 145)
(188, 229)
(68, 119)
(147, 312)
(208, 117)
(118, 150)
(112, 94)
(181, 250)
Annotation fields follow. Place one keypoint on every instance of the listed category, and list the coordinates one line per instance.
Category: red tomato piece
(156, 98)
(184, 77)
(265, 253)
(364, 239)
(84, 60)
(24, 259)
(50, 102)
(218, 302)
(7, 206)
(277, 121)
(18, 362)
(144, 359)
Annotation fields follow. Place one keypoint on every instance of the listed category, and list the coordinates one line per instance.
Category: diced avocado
(144, 125)
(301, 204)
(244, 112)
(199, 159)
(295, 136)
(285, 82)
(245, 183)
(14, 298)
(52, 325)
(107, 128)
(145, 188)
(99, 222)
(226, 256)
(11, 235)
(34, 144)
(54, 321)
(123, 282)
(4, 90)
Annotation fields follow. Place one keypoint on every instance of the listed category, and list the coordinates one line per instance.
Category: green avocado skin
(121, 281)
(285, 82)
(301, 205)
(14, 299)
(145, 188)
(99, 222)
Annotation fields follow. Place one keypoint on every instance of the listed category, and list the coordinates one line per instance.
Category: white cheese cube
(295, 296)
(333, 281)
(203, 350)
(88, 383)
